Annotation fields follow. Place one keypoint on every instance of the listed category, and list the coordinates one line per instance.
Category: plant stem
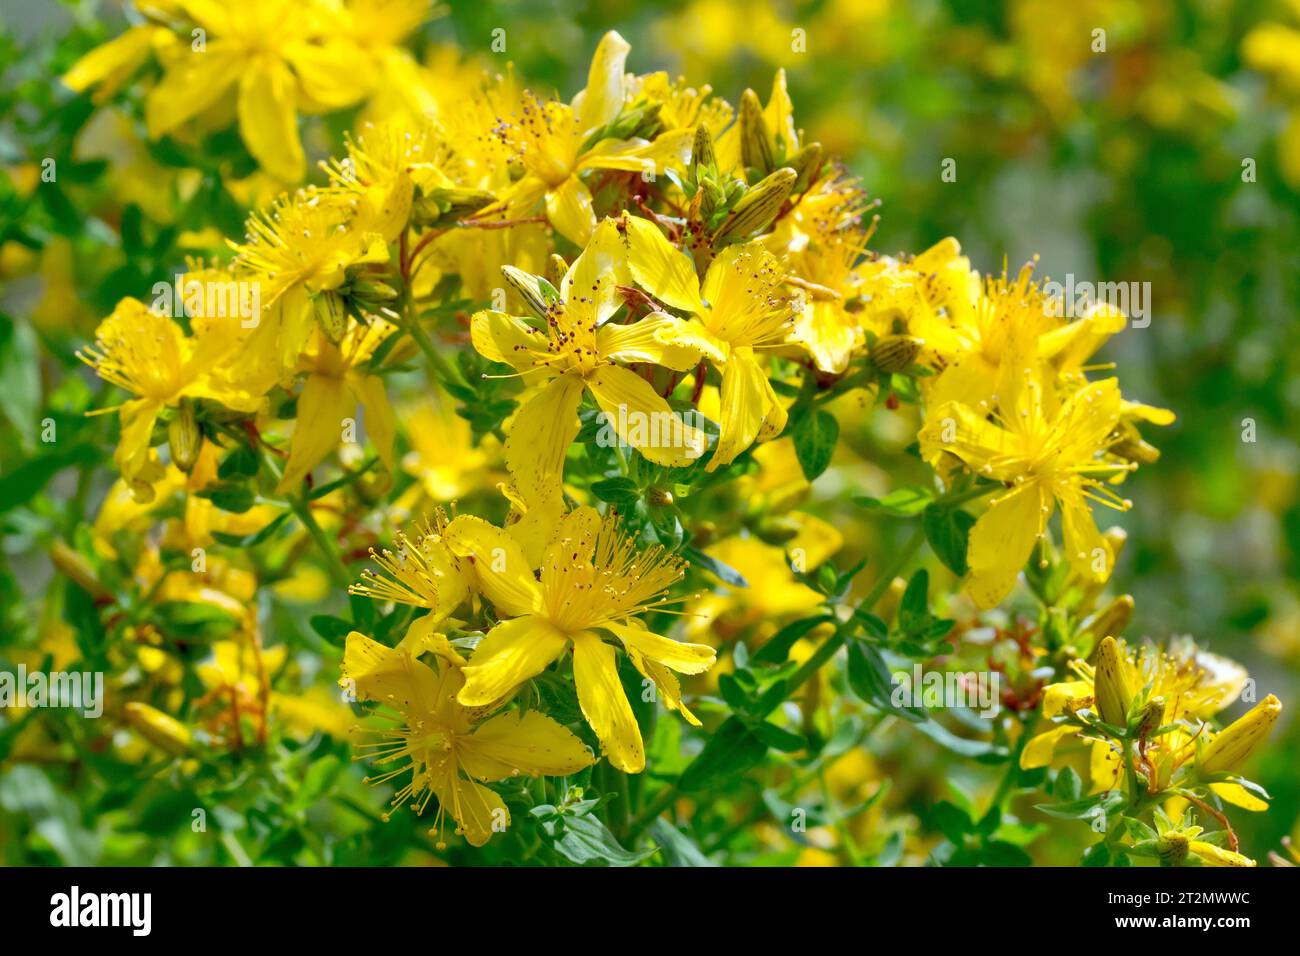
(338, 570)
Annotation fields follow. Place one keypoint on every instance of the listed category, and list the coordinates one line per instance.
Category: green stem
(338, 570)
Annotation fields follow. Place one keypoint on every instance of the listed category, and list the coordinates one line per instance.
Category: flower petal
(1001, 541)
(643, 419)
(570, 209)
(323, 405)
(528, 743)
(268, 120)
(681, 657)
(661, 268)
(604, 702)
(504, 572)
(511, 653)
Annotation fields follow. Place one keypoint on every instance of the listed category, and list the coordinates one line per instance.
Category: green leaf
(720, 570)
(584, 840)
(904, 502)
(732, 750)
(620, 491)
(240, 463)
(814, 442)
(20, 383)
(948, 531)
(778, 738)
(333, 630)
(870, 679)
(777, 648)
(229, 497)
(679, 849)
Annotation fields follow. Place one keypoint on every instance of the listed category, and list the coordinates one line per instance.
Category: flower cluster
(630, 296)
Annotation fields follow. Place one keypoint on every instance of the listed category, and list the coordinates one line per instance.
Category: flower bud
(807, 163)
(1112, 620)
(537, 293)
(331, 315)
(76, 568)
(158, 728)
(1211, 855)
(1235, 743)
(757, 208)
(1172, 848)
(893, 353)
(185, 438)
(755, 140)
(702, 156)
(439, 206)
(1112, 683)
(1150, 718)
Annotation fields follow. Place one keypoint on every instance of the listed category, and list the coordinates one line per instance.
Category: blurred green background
(1165, 158)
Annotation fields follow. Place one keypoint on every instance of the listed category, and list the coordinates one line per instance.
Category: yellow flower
(550, 140)
(109, 65)
(1049, 450)
(737, 310)
(579, 353)
(337, 384)
(450, 750)
(297, 252)
(281, 57)
(149, 355)
(593, 579)
(424, 573)
(823, 240)
(1188, 684)
(444, 458)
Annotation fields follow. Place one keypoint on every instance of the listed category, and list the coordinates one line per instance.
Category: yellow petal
(268, 120)
(118, 56)
(522, 743)
(506, 339)
(1040, 749)
(602, 99)
(190, 87)
(1239, 796)
(605, 704)
(667, 683)
(423, 636)
(1105, 769)
(477, 809)
(681, 657)
(1085, 548)
(504, 572)
(661, 268)
(1060, 698)
(659, 339)
(643, 419)
(569, 209)
(748, 402)
(322, 407)
(1001, 541)
(512, 652)
(377, 672)
(539, 439)
(137, 418)
(381, 423)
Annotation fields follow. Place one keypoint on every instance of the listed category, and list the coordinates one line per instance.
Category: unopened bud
(1112, 683)
(1172, 848)
(808, 164)
(702, 156)
(755, 140)
(893, 353)
(331, 315)
(1233, 745)
(757, 208)
(185, 438)
(158, 728)
(537, 293)
(77, 569)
